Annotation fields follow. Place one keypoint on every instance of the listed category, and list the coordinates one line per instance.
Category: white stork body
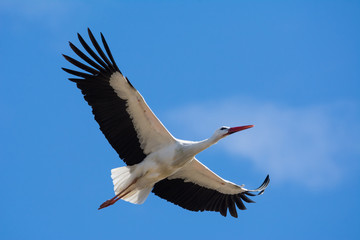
(156, 161)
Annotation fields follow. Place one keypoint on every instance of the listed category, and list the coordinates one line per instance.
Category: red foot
(109, 202)
(117, 197)
(106, 204)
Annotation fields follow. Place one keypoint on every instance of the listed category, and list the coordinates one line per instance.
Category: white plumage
(156, 161)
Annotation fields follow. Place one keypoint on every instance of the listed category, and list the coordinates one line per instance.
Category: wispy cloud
(296, 144)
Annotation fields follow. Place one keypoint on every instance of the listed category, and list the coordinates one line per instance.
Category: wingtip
(261, 192)
(66, 57)
(264, 185)
(260, 189)
(72, 46)
(80, 38)
(89, 32)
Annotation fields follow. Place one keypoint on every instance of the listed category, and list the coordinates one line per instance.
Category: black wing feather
(239, 203)
(92, 53)
(246, 199)
(86, 58)
(197, 198)
(80, 65)
(223, 205)
(109, 52)
(100, 51)
(232, 208)
(109, 110)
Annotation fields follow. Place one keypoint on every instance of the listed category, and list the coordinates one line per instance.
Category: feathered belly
(154, 170)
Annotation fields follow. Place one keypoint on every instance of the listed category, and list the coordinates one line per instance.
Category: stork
(156, 161)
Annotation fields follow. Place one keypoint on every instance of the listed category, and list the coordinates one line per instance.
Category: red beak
(237, 129)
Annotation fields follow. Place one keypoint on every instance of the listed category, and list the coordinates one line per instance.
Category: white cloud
(296, 144)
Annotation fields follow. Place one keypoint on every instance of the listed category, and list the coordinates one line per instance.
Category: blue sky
(292, 68)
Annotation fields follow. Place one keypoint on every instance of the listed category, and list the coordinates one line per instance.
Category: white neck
(197, 147)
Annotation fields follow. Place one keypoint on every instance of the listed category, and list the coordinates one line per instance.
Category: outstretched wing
(126, 120)
(195, 187)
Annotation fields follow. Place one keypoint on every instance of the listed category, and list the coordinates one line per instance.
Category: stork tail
(125, 188)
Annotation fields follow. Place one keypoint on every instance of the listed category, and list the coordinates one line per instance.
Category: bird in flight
(156, 161)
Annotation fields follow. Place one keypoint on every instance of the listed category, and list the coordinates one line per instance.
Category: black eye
(223, 128)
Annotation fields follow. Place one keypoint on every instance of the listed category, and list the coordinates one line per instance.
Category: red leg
(109, 202)
(117, 197)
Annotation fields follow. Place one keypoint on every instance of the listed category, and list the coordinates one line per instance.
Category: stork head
(226, 131)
